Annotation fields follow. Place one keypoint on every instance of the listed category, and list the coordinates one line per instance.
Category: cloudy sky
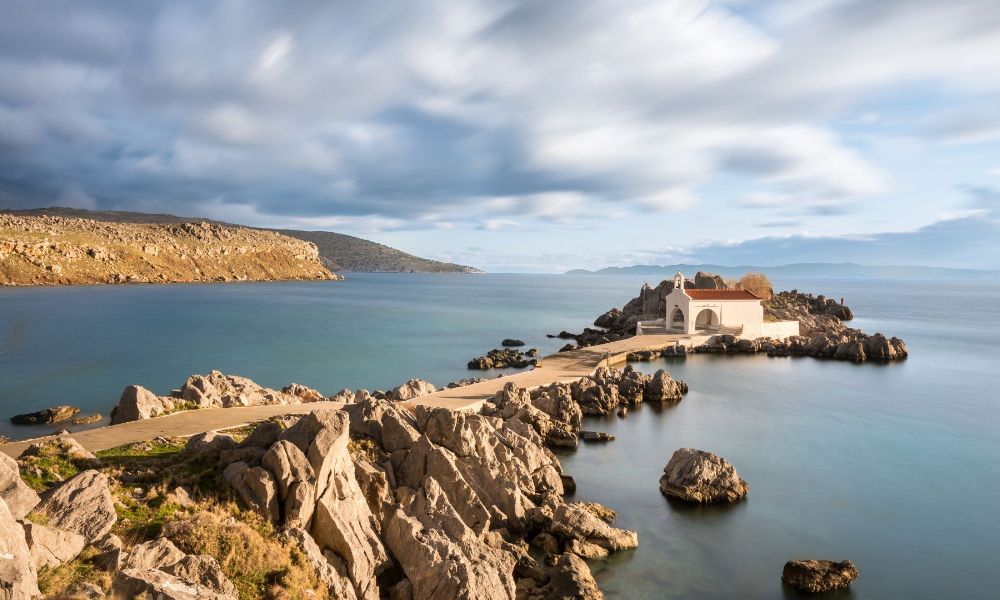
(526, 136)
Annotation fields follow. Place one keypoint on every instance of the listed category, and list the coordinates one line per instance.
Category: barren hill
(51, 250)
(339, 252)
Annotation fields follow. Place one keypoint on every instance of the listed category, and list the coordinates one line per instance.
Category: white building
(740, 312)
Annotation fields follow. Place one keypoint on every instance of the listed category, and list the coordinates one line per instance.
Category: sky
(524, 136)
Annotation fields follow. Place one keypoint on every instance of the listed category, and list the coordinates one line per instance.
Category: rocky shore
(372, 501)
(49, 250)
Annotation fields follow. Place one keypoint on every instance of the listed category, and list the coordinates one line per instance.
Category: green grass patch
(53, 581)
(142, 519)
(157, 448)
(42, 472)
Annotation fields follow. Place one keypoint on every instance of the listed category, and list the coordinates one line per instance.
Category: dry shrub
(259, 563)
(758, 283)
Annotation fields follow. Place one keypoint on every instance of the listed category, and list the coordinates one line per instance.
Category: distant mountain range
(841, 270)
(338, 252)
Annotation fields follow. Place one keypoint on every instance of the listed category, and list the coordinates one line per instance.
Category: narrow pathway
(564, 367)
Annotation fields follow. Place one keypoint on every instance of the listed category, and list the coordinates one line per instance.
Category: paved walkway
(564, 366)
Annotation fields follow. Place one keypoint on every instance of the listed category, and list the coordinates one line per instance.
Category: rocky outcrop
(817, 576)
(17, 495)
(846, 344)
(224, 391)
(48, 250)
(136, 402)
(412, 389)
(608, 389)
(557, 428)
(55, 414)
(305, 394)
(709, 281)
(18, 577)
(699, 476)
(502, 358)
(81, 505)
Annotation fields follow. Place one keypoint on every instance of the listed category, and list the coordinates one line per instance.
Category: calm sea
(896, 467)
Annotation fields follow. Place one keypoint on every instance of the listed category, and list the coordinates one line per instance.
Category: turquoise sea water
(896, 467)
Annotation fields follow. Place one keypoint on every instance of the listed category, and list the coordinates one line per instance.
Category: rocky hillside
(339, 252)
(51, 250)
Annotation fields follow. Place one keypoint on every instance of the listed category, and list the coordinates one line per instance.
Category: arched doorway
(676, 320)
(707, 319)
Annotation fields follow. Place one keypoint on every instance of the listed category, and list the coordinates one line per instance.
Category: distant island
(50, 250)
(338, 252)
(843, 270)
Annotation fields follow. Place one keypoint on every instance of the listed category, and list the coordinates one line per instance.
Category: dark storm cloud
(426, 113)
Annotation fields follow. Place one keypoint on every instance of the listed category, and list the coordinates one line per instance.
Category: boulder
(596, 436)
(18, 577)
(82, 505)
(412, 389)
(295, 479)
(700, 476)
(55, 414)
(257, 488)
(663, 388)
(333, 574)
(153, 583)
(392, 427)
(303, 393)
(209, 445)
(575, 522)
(204, 572)
(571, 578)
(18, 496)
(511, 343)
(817, 576)
(154, 554)
(220, 390)
(137, 403)
(51, 547)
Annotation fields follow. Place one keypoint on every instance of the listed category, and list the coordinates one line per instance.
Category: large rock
(574, 522)
(55, 414)
(699, 476)
(333, 573)
(412, 389)
(816, 576)
(154, 554)
(709, 281)
(153, 583)
(51, 547)
(306, 394)
(513, 401)
(138, 403)
(342, 522)
(18, 578)
(441, 557)
(18, 496)
(392, 427)
(209, 445)
(257, 488)
(571, 578)
(663, 388)
(203, 571)
(296, 482)
(82, 505)
(220, 390)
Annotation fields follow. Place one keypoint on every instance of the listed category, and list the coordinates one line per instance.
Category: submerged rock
(699, 476)
(55, 414)
(816, 576)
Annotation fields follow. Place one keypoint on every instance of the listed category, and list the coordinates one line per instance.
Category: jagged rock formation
(46, 250)
(700, 476)
(817, 576)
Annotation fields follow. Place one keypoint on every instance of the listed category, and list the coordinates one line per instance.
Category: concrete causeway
(561, 367)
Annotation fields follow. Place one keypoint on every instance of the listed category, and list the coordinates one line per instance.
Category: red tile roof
(720, 294)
